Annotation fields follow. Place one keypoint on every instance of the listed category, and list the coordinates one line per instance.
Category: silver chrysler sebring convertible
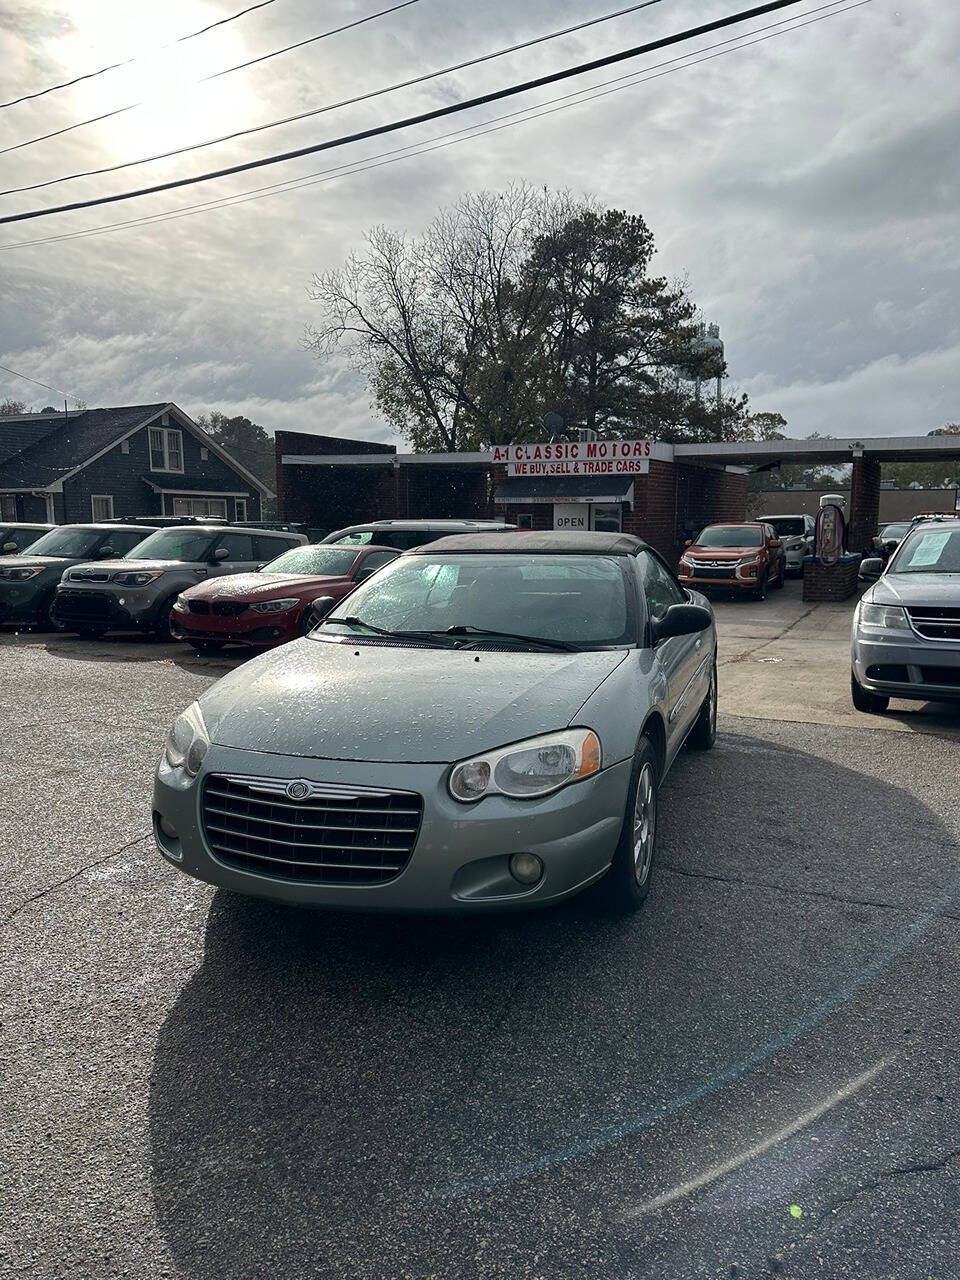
(482, 724)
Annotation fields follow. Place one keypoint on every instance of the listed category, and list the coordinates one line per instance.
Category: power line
(413, 150)
(333, 106)
(46, 386)
(438, 113)
(214, 75)
(90, 75)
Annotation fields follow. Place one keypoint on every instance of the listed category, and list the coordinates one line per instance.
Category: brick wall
(329, 498)
(864, 514)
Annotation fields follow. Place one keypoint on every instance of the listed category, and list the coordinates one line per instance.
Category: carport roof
(759, 453)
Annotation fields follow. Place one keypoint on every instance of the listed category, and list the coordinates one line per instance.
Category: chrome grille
(935, 623)
(335, 834)
(714, 568)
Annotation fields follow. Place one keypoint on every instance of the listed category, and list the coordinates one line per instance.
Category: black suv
(28, 582)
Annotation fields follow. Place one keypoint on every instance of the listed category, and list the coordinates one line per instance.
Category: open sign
(571, 515)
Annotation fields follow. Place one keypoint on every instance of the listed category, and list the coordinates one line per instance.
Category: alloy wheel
(644, 824)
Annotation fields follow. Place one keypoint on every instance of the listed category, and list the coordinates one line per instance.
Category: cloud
(806, 187)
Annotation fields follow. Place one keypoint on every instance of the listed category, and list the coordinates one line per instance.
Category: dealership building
(660, 492)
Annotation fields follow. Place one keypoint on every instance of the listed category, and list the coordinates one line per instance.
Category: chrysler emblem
(298, 790)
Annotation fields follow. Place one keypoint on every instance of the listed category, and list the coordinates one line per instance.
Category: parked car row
(205, 582)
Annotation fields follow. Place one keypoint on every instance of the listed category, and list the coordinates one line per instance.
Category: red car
(271, 606)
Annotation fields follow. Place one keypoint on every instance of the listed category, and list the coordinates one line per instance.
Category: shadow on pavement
(357, 1096)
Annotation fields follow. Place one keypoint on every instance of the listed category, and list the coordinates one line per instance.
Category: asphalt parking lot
(756, 1076)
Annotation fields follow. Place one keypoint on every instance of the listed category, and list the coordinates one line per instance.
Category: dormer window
(166, 449)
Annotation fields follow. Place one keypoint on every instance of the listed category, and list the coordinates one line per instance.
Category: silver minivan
(136, 592)
(406, 534)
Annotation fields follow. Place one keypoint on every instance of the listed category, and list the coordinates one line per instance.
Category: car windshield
(891, 531)
(787, 526)
(928, 551)
(579, 600)
(19, 536)
(721, 535)
(326, 561)
(174, 544)
(67, 542)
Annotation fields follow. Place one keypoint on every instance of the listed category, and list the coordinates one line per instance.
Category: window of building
(101, 506)
(525, 520)
(241, 509)
(124, 446)
(8, 506)
(166, 449)
(605, 519)
(201, 506)
(204, 455)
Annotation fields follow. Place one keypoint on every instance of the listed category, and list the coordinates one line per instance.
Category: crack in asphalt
(900, 1171)
(742, 657)
(74, 875)
(841, 898)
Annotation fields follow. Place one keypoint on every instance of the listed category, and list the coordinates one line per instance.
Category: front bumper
(20, 602)
(257, 630)
(914, 669)
(110, 609)
(718, 580)
(459, 860)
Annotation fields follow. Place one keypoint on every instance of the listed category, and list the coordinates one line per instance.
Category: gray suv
(136, 593)
(906, 629)
(407, 534)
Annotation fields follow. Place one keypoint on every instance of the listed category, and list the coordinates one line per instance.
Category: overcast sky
(807, 188)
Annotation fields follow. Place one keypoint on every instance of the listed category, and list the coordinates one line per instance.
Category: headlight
(882, 617)
(181, 605)
(275, 606)
(528, 769)
(187, 742)
(21, 575)
(138, 579)
(685, 563)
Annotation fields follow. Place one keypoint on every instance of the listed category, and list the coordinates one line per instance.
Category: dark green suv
(28, 582)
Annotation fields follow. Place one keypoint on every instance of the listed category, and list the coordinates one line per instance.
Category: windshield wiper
(461, 629)
(352, 621)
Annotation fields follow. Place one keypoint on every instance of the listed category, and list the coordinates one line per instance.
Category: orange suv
(737, 557)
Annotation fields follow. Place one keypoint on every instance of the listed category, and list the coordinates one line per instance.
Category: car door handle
(699, 643)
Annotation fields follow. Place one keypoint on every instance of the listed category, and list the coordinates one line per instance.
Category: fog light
(526, 867)
(167, 828)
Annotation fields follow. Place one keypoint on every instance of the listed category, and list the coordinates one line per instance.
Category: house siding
(121, 475)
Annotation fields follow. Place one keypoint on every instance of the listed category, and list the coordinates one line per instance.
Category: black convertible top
(562, 542)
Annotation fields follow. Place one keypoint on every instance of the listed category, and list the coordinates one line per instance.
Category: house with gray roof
(137, 460)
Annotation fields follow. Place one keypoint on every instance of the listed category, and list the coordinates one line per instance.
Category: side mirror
(221, 553)
(870, 569)
(776, 542)
(680, 620)
(8, 547)
(319, 608)
(688, 543)
(105, 553)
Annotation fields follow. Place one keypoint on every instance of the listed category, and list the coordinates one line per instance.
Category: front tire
(624, 888)
(872, 703)
(704, 732)
(162, 629)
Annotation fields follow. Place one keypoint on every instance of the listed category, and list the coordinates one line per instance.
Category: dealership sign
(582, 458)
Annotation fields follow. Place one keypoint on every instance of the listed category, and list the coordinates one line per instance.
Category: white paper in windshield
(928, 550)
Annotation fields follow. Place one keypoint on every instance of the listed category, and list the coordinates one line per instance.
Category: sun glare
(165, 77)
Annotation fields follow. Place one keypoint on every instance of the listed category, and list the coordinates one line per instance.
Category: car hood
(258, 585)
(377, 702)
(723, 553)
(31, 562)
(916, 588)
(137, 566)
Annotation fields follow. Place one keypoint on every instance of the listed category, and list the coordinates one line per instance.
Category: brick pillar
(864, 515)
